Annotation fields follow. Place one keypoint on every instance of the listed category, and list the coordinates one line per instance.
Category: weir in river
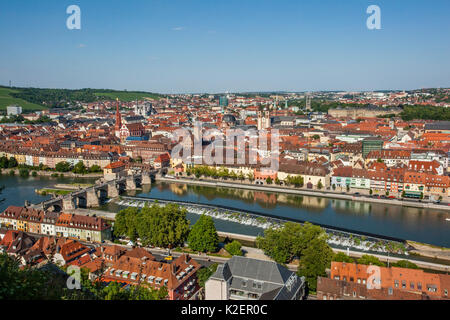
(337, 238)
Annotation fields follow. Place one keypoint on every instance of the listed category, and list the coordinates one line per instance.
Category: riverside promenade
(315, 193)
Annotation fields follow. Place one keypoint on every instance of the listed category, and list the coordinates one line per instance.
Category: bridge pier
(131, 184)
(92, 200)
(68, 203)
(146, 179)
(113, 192)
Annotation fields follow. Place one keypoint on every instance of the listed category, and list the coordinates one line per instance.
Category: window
(411, 285)
(396, 283)
(390, 291)
(244, 283)
(359, 280)
(403, 284)
(445, 292)
(419, 285)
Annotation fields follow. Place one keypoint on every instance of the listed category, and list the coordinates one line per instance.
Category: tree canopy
(405, 264)
(203, 236)
(160, 226)
(368, 259)
(342, 257)
(306, 242)
(234, 248)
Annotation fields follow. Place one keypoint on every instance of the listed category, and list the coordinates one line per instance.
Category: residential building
(242, 278)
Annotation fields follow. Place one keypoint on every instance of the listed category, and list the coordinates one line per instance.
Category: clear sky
(175, 46)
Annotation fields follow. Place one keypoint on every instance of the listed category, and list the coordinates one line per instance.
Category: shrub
(234, 248)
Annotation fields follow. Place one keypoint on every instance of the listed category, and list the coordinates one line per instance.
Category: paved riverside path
(318, 193)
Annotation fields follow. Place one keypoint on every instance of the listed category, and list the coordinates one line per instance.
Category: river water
(422, 225)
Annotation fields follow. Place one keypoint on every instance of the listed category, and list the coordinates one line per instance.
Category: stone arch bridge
(93, 197)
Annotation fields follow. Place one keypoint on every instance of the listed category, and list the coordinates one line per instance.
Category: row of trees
(79, 168)
(167, 227)
(372, 260)
(224, 173)
(64, 166)
(8, 163)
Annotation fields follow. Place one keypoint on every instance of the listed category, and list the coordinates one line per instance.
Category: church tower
(266, 119)
(260, 120)
(118, 120)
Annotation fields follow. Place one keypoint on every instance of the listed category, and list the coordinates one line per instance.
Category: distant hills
(32, 99)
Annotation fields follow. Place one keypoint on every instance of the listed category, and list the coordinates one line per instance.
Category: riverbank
(323, 194)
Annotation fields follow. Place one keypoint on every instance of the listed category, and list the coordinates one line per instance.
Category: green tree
(203, 236)
(126, 222)
(24, 173)
(12, 162)
(269, 180)
(4, 162)
(319, 185)
(62, 166)
(163, 226)
(405, 264)
(234, 248)
(95, 168)
(205, 273)
(316, 258)
(80, 168)
(290, 241)
(370, 260)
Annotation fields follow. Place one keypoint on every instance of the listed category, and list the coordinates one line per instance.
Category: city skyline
(201, 47)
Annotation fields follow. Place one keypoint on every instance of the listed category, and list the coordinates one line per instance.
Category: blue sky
(172, 46)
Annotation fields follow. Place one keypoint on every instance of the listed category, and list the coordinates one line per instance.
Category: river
(418, 224)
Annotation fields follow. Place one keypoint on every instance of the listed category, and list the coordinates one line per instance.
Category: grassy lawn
(54, 191)
(127, 96)
(7, 100)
